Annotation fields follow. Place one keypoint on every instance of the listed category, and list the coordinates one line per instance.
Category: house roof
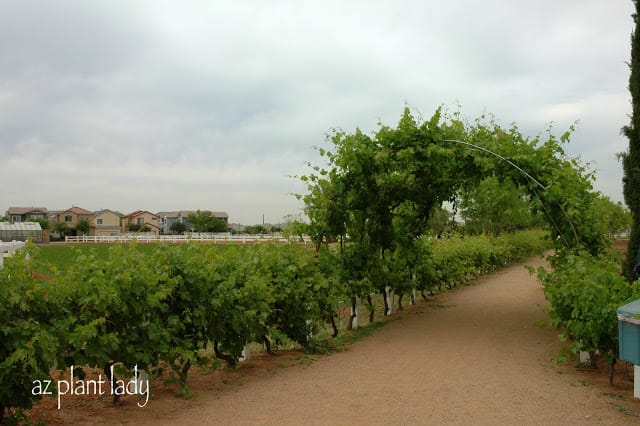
(185, 213)
(99, 212)
(77, 210)
(167, 214)
(138, 213)
(176, 213)
(25, 210)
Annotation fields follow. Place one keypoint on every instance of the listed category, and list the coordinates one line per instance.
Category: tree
(440, 221)
(83, 226)
(4, 219)
(44, 223)
(375, 194)
(133, 227)
(204, 221)
(178, 228)
(631, 158)
(61, 228)
(494, 206)
(145, 228)
(256, 229)
(616, 217)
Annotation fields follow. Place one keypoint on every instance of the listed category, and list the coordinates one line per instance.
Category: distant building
(71, 217)
(169, 218)
(105, 223)
(22, 214)
(141, 218)
(236, 227)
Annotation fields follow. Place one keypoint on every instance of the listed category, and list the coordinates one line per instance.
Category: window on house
(68, 219)
(140, 221)
(16, 218)
(99, 221)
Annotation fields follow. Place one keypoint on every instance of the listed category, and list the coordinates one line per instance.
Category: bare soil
(479, 354)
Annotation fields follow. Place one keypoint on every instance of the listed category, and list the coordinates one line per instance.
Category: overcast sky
(168, 105)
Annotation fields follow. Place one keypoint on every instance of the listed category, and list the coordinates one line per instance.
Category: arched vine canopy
(378, 191)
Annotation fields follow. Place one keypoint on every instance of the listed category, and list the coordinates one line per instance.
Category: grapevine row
(185, 305)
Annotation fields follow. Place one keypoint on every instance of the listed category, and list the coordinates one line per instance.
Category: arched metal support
(534, 180)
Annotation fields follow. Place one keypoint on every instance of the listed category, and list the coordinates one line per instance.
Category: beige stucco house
(72, 216)
(105, 223)
(141, 218)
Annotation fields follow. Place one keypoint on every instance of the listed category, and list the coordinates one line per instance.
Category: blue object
(636, 269)
(629, 332)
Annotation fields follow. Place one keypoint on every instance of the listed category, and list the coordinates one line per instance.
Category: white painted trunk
(354, 314)
(584, 357)
(388, 294)
(246, 353)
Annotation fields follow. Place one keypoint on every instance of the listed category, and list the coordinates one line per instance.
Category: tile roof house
(141, 218)
(71, 217)
(105, 223)
(21, 214)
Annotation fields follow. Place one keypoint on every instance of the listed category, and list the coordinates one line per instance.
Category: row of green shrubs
(460, 259)
(584, 292)
(180, 305)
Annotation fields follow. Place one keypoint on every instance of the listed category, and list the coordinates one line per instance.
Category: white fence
(219, 238)
(8, 249)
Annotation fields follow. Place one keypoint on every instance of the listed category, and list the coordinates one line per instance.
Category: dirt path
(475, 355)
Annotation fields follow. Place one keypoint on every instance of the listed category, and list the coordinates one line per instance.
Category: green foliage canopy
(379, 191)
(631, 158)
(204, 221)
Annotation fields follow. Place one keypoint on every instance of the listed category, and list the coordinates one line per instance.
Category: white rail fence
(8, 249)
(217, 238)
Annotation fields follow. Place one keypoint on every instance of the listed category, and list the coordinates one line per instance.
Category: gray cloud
(198, 104)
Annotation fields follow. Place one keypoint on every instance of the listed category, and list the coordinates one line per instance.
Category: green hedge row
(182, 305)
(584, 292)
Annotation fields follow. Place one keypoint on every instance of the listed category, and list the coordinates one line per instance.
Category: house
(139, 219)
(22, 214)
(105, 223)
(71, 217)
(169, 218)
(221, 215)
(52, 216)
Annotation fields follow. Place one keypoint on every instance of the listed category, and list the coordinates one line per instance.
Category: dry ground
(479, 354)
